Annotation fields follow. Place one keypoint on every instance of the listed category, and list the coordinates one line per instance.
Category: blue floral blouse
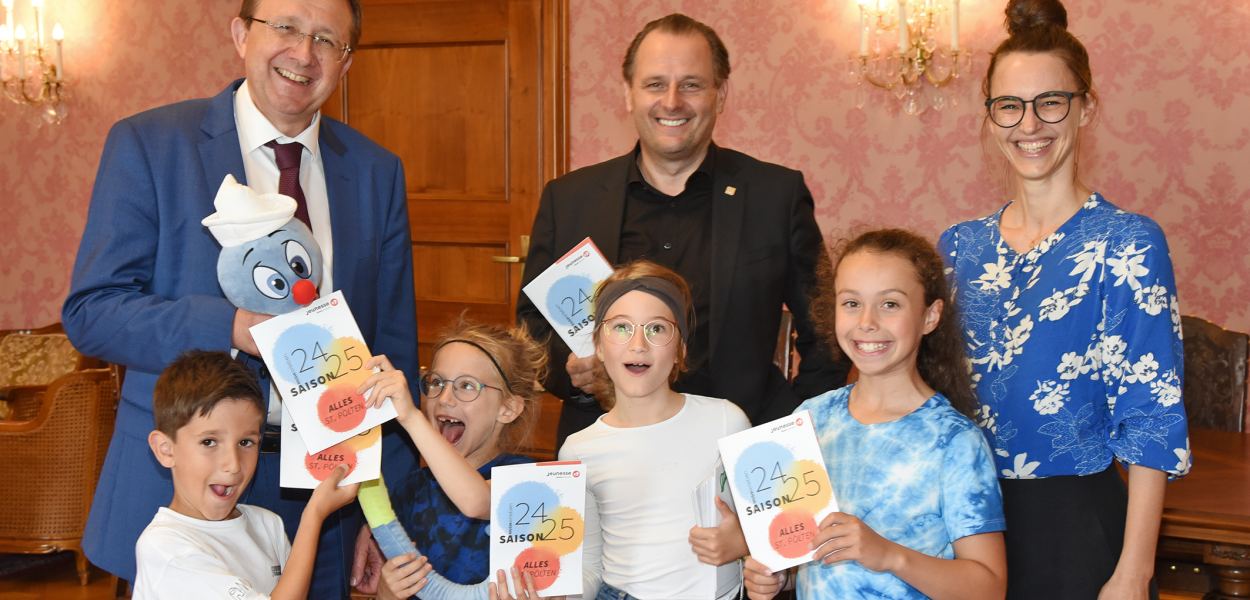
(1075, 345)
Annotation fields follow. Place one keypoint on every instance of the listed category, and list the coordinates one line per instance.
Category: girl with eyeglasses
(480, 402)
(645, 457)
(1072, 326)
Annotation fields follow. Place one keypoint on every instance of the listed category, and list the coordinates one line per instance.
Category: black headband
(506, 383)
(660, 288)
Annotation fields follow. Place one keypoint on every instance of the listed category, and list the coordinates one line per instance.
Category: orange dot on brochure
(791, 532)
(340, 408)
(543, 565)
(320, 464)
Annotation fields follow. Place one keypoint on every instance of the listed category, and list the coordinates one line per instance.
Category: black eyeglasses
(465, 388)
(1049, 107)
(326, 48)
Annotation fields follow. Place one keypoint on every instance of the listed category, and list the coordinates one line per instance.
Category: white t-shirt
(185, 558)
(639, 508)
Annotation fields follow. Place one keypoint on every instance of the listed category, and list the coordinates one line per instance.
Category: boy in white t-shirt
(209, 412)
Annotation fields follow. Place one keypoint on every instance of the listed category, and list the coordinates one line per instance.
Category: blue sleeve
(971, 500)
(119, 307)
(395, 333)
(1142, 359)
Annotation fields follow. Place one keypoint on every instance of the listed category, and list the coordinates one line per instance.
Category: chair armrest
(19, 395)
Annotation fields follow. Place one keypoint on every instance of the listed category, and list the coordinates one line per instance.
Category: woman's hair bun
(1023, 15)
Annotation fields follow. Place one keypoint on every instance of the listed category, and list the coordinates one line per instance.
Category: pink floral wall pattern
(1171, 139)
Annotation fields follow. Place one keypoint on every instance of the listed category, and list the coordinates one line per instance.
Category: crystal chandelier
(915, 68)
(32, 70)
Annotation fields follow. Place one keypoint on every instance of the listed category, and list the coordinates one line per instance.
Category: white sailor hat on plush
(243, 215)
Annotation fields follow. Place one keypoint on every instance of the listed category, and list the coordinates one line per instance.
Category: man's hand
(240, 336)
(586, 374)
(366, 562)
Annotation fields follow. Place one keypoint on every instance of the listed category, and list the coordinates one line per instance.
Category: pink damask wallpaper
(120, 58)
(1171, 140)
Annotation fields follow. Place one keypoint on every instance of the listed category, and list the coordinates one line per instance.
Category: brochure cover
(780, 487)
(316, 357)
(565, 292)
(537, 524)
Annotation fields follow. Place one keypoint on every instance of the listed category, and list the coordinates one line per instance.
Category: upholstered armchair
(60, 411)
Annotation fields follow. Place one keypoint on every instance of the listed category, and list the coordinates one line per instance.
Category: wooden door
(470, 95)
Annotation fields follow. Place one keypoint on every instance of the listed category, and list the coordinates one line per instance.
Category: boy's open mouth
(637, 368)
(222, 491)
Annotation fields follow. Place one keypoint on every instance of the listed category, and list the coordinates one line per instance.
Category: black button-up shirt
(676, 231)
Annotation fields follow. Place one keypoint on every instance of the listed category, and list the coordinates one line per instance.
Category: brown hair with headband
(522, 363)
(635, 274)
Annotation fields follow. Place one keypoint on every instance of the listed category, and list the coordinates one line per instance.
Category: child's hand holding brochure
(780, 487)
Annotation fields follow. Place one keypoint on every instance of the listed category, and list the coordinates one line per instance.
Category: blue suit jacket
(145, 285)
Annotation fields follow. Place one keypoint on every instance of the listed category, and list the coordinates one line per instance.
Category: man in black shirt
(740, 231)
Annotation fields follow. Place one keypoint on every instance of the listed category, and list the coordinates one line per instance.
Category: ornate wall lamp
(916, 68)
(32, 68)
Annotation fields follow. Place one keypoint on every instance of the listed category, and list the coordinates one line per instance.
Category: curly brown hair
(941, 359)
(638, 269)
(524, 365)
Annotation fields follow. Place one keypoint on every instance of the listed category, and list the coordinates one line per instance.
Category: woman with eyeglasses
(645, 457)
(1072, 327)
(480, 402)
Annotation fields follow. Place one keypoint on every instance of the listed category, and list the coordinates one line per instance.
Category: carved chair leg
(84, 567)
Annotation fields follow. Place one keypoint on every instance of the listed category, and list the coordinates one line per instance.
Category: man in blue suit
(145, 285)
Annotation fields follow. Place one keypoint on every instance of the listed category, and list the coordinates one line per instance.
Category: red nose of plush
(304, 292)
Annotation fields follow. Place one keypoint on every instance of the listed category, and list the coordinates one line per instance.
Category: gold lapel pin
(730, 190)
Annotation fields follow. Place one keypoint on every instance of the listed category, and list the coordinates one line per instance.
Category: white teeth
(1033, 146)
(871, 346)
(292, 76)
(673, 122)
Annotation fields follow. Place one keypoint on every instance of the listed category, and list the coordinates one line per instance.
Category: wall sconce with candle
(903, 67)
(32, 71)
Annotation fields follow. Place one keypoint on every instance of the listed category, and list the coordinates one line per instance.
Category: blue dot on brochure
(297, 349)
(568, 299)
(756, 468)
(524, 505)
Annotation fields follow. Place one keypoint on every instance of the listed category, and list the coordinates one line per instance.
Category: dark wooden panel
(449, 129)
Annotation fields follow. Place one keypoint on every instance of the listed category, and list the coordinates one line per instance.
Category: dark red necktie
(288, 157)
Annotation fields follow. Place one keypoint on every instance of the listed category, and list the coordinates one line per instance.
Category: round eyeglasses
(465, 388)
(326, 48)
(1049, 107)
(657, 332)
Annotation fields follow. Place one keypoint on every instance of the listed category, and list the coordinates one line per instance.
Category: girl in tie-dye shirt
(914, 478)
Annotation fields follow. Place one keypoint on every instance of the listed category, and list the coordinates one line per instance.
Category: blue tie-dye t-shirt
(458, 546)
(921, 481)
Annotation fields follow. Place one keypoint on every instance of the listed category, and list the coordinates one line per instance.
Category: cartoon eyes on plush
(269, 262)
(276, 284)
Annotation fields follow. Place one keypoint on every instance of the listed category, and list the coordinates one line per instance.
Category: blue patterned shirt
(921, 481)
(1075, 345)
(458, 546)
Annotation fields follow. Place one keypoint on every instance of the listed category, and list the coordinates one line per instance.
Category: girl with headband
(479, 405)
(645, 457)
